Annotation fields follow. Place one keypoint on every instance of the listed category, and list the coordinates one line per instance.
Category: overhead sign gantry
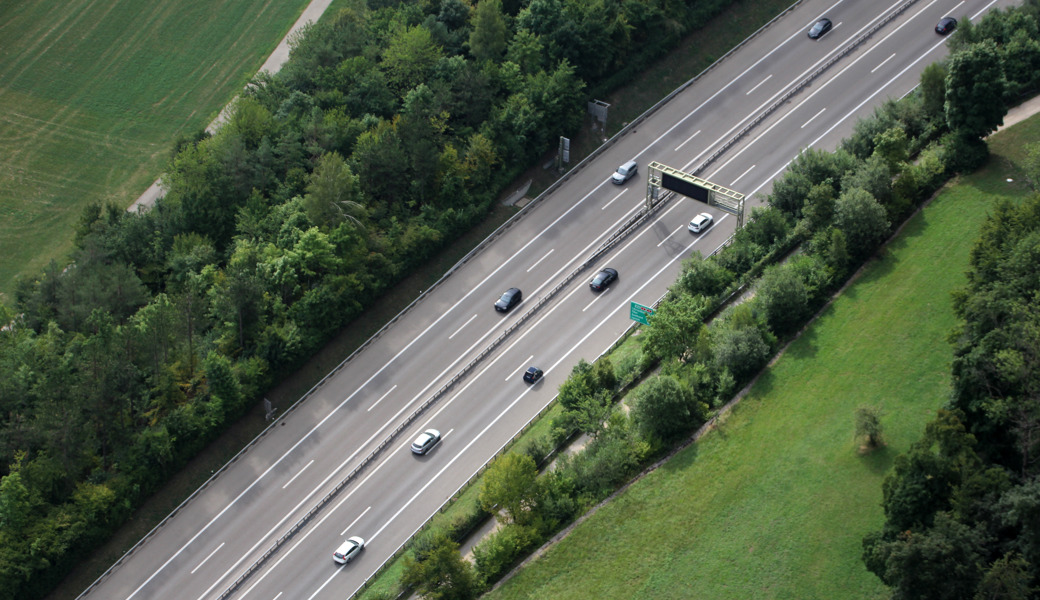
(662, 176)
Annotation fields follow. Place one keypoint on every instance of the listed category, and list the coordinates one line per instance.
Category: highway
(215, 538)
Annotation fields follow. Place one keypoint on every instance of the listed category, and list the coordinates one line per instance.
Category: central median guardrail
(631, 225)
(623, 231)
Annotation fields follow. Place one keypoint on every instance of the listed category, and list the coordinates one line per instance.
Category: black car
(945, 25)
(821, 27)
(533, 374)
(509, 299)
(603, 279)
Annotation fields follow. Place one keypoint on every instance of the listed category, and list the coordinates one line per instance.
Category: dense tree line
(963, 507)
(388, 133)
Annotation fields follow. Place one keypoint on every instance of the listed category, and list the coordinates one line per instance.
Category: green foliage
(951, 551)
(975, 87)
(606, 462)
(14, 503)
(488, 40)
(783, 297)
(508, 486)
(664, 410)
(767, 226)
(1008, 578)
(868, 426)
(740, 344)
(409, 58)
(586, 396)
(923, 479)
(818, 209)
(863, 221)
(676, 326)
(495, 554)
(333, 193)
(933, 91)
(441, 574)
(705, 277)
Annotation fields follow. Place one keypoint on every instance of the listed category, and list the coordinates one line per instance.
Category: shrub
(783, 297)
(740, 343)
(496, 554)
(664, 410)
(703, 277)
(863, 221)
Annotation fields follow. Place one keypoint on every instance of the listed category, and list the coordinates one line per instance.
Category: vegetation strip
(841, 206)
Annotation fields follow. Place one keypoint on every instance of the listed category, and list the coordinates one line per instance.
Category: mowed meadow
(93, 95)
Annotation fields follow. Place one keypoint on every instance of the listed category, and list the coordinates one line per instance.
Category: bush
(863, 221)
(964, 152)
(783, 297)
(495, 555)
(664, 410)
(740, 343)
(703, 277)
(606, 462)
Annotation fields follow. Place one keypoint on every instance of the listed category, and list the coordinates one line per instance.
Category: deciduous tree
(509, 486)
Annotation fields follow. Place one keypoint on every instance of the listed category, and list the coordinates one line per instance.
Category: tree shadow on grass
(803, 348)
(879, 460)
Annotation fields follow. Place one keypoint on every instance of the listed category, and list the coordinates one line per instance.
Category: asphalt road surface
(216, 537)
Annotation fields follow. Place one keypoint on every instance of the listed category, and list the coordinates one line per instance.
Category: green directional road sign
(640, 313)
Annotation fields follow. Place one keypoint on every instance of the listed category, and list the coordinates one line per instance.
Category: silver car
(348, 550)
(625, 172)
(426, 441)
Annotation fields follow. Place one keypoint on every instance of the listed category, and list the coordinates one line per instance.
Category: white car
(701, 222)
(348, 550)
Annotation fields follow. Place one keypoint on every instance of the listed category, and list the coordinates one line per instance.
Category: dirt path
(279, 57)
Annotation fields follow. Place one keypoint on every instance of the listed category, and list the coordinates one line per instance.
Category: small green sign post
(640, 313)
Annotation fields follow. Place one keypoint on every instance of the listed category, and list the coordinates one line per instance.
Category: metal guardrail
(454, 496)
(803, 83)
(624, 230)
(614, 239)
(502, 449)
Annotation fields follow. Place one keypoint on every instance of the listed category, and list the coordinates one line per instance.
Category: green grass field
(775, 502)
(92, 95)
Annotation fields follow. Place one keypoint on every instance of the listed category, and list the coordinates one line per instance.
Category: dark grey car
(509, 299)
(821, 27)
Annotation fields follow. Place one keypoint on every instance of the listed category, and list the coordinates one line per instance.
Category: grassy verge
(774, 502)
(92, 95)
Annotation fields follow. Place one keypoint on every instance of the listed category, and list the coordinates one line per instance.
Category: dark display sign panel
(679, 186)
